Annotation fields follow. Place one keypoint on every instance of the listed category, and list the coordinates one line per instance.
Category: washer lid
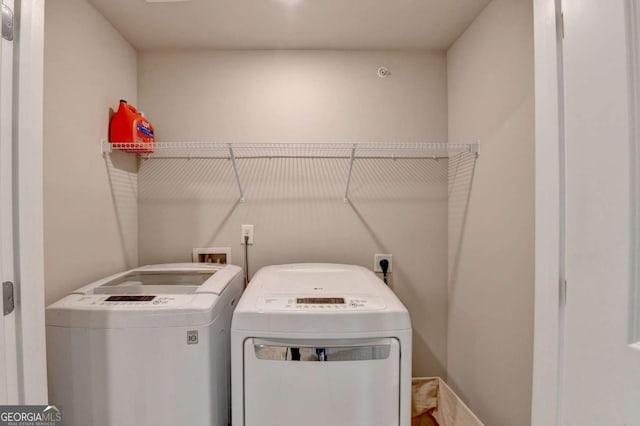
(319, 298)
(174, 278)
(156, 282)
(320, 279)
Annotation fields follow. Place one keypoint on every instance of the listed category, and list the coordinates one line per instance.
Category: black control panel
(130, 298)
(320, 301)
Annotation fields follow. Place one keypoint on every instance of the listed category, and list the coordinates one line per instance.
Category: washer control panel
(131, 301)
(320, 304)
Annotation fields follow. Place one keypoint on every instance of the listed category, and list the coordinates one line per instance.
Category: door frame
(28, 202)
(4, 386)
(633, 34)
(549, 213)
(8, 361)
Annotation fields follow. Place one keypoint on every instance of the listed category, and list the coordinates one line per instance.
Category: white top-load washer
(145, 347)
(320, 345)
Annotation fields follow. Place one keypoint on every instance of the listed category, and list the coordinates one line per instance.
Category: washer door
(321, 382)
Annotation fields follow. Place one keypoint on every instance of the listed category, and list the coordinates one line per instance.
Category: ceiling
(291, 24)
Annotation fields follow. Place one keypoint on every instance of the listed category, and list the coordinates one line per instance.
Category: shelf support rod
(346, 190)
(235, 172)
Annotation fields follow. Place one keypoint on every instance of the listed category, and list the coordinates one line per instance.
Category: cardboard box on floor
(433, 403)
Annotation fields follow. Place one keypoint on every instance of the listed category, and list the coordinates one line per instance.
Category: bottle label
(145, 132)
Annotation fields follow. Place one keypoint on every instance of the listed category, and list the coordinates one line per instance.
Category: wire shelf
(296, 150)
(346, 151)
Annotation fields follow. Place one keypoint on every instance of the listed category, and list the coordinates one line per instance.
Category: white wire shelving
(346, 151)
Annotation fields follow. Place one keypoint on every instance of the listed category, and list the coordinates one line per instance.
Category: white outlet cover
(246, 230)
(376, 261)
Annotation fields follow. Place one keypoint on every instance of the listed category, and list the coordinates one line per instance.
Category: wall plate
(376, 262)
(220, 255)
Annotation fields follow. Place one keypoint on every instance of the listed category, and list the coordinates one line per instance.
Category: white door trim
(9, 351)
(29, 46)
(4, 394)
(633, 28)
(548, 210)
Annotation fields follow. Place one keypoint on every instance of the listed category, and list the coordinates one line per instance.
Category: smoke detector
(383, 72)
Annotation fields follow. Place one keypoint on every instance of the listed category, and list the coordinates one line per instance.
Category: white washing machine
(320, 345)
(146, 347)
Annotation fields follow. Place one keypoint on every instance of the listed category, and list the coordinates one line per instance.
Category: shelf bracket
(346, 190)
(235, 172)
(106, 148)
(475, 149)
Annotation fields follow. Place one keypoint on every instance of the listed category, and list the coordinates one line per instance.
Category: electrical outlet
(246, 230)
(220, 255)
(376, 262)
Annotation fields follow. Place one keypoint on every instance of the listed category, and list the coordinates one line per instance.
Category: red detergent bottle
(130, 127)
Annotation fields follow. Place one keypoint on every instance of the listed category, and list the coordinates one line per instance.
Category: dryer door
(322, 382)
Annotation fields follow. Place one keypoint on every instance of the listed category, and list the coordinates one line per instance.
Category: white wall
(490, 79)
(90, 208)
(296, 205)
